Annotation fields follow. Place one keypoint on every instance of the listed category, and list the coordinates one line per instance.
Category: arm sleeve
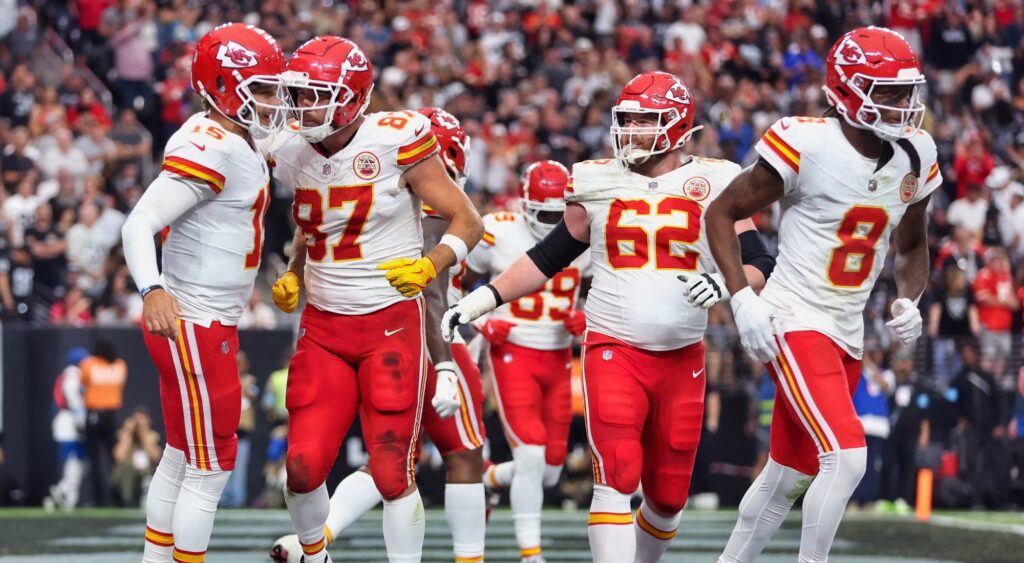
(776, 148)
(167, 198)
(479, 259)
(557, 250)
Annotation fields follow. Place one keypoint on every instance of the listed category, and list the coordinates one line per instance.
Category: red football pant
(199, 392)
(372, 365)
(813, 411)
(465, 430)
(534, 396)
(644, 412)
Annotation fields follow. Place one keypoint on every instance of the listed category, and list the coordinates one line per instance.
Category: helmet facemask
(542, 216)
(459, 176)
(327, 97)
(869, 116)
(260, 118)
(636, 144)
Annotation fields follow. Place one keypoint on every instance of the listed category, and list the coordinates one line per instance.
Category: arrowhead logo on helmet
(234, 55)
(850, 53)
(356, 61)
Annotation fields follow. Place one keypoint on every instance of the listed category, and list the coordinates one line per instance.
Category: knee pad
(172, 466)
(394, 382)
(206, 484)
(552, 474)
(529, 461)
(307, 467)
(389, 467)
(848, 466)
(622, 468)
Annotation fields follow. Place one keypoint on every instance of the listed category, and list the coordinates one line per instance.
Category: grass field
(114, 536)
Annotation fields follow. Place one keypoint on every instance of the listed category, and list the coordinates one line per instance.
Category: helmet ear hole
(842, 91)
(221, 88)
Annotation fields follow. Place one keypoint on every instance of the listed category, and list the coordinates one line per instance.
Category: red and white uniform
(643, 356)
(532, 368)
(838, 214)
(361, 344)
(210, 260)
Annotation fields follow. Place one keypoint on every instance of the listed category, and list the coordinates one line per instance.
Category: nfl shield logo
(327, 169)
(606, 355)
(872, 185)
(224, 348)
(652, 185)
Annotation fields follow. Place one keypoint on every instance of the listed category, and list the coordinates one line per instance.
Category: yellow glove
(286, 292)
(409, 276)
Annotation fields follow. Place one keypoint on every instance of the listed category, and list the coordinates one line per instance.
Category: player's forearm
(912, 270)
(140, 248)
(297, 262)
(465, 227)
(725, 246)
(523, 277)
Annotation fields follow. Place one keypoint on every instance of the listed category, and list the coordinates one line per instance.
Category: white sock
(355, 496)
(404, 524)
(160, 501)
(839, 474)
(499, 476)
(195, 510)
(71, 482)
(552, 475)
(309, 512)
(762, 510)
(527, 497)
(465, 507)
(654, 533)
(612, 539)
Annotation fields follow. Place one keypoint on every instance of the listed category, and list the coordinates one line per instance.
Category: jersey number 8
(859, 233)
(347, 247)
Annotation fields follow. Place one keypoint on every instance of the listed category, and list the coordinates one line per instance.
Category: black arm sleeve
(754, 252)
(556, 251)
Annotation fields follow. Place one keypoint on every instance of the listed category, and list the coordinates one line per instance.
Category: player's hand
(447, 400)
(496, 331)
(471, 307)
(704, 290)
(286, 292)
(906, 320)
(160, 313)
(576, 322)
(754, 322)
(409, 276)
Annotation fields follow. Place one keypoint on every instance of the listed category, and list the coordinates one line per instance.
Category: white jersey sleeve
(775, 147)
(354, 209)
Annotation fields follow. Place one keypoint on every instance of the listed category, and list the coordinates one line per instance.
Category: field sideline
(114, 536)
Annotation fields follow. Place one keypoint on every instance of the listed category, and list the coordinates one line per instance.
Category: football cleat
(287, 549)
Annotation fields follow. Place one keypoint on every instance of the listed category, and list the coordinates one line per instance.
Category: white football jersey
(643, 233)
(538, 317)
(838, 213)
(212, 252)
(353, 209)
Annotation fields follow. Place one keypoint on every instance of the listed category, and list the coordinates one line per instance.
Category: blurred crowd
(90, 90)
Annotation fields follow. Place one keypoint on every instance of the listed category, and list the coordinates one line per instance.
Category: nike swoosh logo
(198, 146)
(390, 332)
(420, 130)
(696, 374)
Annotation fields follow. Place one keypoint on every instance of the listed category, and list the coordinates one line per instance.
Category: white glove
(480, 302)
(906, 320)
(446, 399)
(704, 290)
(754, 322)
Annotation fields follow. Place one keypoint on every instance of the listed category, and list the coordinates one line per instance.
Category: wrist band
(146, 290)
(445, 366)
(457, 245)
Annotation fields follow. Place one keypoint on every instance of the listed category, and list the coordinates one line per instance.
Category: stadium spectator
(48, 247)
(99, 150)
(909, 406)
(997, 301)
(19, 158)
(872, 404)
(124, 25)
(257, 313)
(120, 304)
(132, 140)
(47, 114)
(104, 375)
(969, 212)
(17, 101)
(64, 155)
(21, 207)
(136, 454)
(952, 317)
(74, 309)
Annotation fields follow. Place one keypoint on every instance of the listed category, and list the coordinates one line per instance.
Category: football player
(212, 191)
(455, 425)
(846, 182)
(531, 350)
(641, 216)
(358, 182)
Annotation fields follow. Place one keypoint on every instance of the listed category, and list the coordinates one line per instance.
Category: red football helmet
(863, 60)
(453, 140)
(340, 79)
(657, 93)
(228, 62)
(542, 190)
